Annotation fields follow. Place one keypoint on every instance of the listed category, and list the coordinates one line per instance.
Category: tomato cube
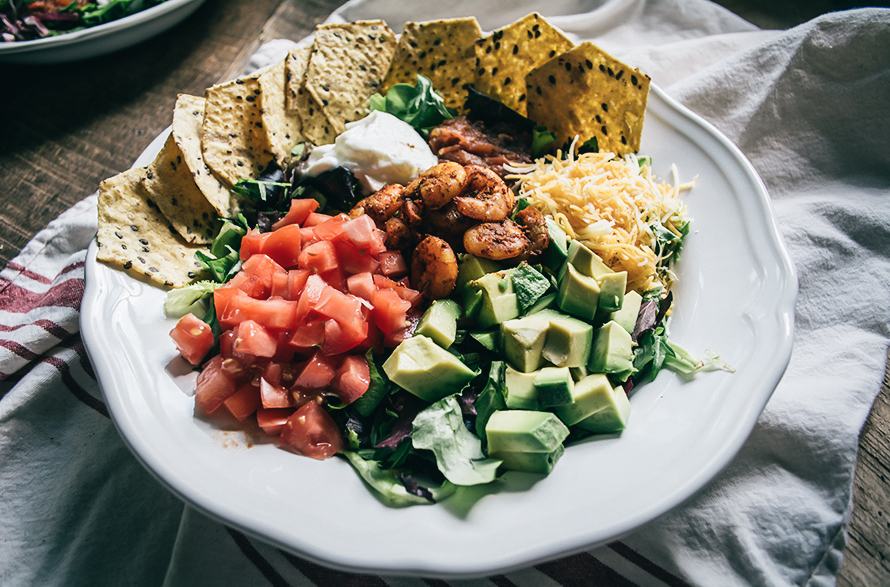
(274, 314)
(284, 245)
(317, 373)
(276, 396)
(352, 379)
(316, 218)
(214, 386)
(193, 338)
(311, 432)
(272, 420)
(390, 311)
(252, 338)
(298, 213)
(392, 264)
(245, 401)
(318, 257)
(361, 285)
(364, 234)
(252, 243)
(354, 260)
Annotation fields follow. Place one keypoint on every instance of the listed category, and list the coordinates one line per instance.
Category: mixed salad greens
(498, 376)
(26, 20)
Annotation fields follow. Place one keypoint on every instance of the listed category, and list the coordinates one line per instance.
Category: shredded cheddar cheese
(610, 205)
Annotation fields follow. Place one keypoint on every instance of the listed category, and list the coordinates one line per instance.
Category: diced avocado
(472, 301)
(591, 394)
(425, 369)
(521, 393)
(499, 302)
(630, 309)
(554, 255)
(586, 261)
(544, 302)
(554, 386)
(523, 341)
(611, 351)
(612, 418)
(579, 373)
(439, 322)
(569, 340)
(524, 431)
(612, 287)
(578, 294)
(472, 268)
(529, 462)
(490, 339)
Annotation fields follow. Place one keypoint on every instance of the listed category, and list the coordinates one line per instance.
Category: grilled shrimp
(398, 235)
(433, 268)
(438, 185)
(447, 223)
(535, 228)
(496, 240)
(381, 205)
(485, 196)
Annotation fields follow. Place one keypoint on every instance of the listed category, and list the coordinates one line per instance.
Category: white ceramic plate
(736, 296)
(101, 39)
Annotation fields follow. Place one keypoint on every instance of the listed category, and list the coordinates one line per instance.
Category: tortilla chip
(170, 185)
(589, 93)
(348, 64)
(233, 140)
(507, 55)
(442, 50)
(188, 117)
(282, 128)
(315, 125)
(134, 235)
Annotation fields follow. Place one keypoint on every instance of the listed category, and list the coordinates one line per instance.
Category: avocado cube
(544, 302)
(490, 339)
(630, 309)
(554, 386)
(439, 322)
(569, 340)
(612, 287)
(612, 350)
(472, 302)
(579, 373)
(578, 294)
(586, 261)
(591, 394)
(425, 369)
(554, 256)
(499, 302)
(472, 268)
(521, 393)
(524, 431)
(612, 418)
(529, 462)
(523, 340)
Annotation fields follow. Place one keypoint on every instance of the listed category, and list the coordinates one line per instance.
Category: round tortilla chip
(282, 127)
(315, 125)
(135, 236)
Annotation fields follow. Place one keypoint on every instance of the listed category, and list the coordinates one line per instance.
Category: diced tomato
(296, 280)
(256, 276)
(393, 339)
(272, 420)
(406, 293)
(332, 228)
(317, 373)
(274, 314)
(309, 334)
(307, 233)
(318, 257)
(276, 396)
(336, 278)
(227, 350)
(335, 304)
(364, 234)
(284, 245)
(221, 298)
(252, 243)
(361, 285)
(340, 337)
(309, 297)
(374, 340)
(352, 379)
(214, 386)
(311, 432)
(315, 218)
(354, 260)
(254, 339)
(245, 401)
(193, 338)
(390, 311)
(279, 286)
(392, 264)
(298, 213)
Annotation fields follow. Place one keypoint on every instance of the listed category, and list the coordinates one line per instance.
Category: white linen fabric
(809, 108)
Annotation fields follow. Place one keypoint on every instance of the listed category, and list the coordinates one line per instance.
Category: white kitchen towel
(809, 108)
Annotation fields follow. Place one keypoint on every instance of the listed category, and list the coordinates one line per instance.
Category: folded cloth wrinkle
(807, 106)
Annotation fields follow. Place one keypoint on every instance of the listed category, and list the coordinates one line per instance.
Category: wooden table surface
(64, 128)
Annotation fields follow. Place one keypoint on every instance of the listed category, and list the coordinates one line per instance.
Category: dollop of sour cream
(379, 149)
